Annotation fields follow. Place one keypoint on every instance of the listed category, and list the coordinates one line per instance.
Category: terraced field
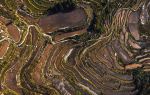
(74, 47)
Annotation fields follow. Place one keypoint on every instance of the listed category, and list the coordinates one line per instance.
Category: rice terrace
(74, 47)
